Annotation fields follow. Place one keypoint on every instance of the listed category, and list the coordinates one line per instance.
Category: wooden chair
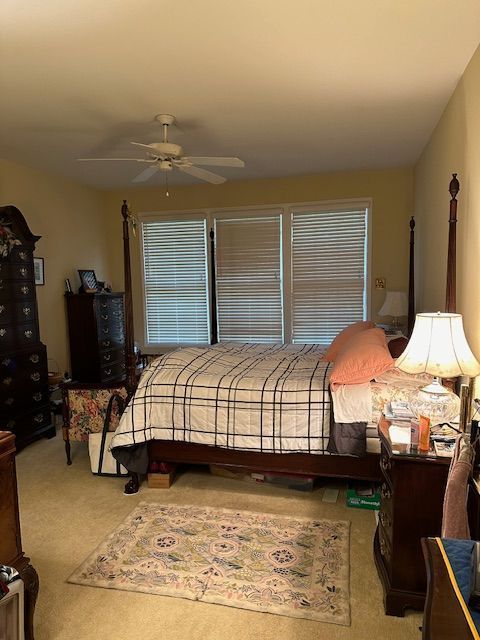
(85, 408)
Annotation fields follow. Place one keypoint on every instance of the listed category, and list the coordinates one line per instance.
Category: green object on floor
(363, 495)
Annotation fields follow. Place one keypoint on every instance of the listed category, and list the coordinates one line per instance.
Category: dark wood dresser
(411, 508)
(11, 553)
(96, 327)
(24, 397)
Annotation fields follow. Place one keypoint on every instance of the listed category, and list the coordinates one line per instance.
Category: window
(328, 273)
(248, 279)
(285, 274)
(175, 276)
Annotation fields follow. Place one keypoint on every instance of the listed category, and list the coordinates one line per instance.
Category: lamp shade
(438, 346)
(395, 304)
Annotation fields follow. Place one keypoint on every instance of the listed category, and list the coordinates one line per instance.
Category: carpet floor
(294, 567)
(66, 512)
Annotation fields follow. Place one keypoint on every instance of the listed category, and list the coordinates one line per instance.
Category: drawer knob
(2, 308)
(384, 519)
(38, 417)
(23, 271)
(35, 376)
(104, 317)
(22, 255)
(106, 343)
(37, 397)
(24, 290)
(6, 362)
(9, 401)
(108, 372)
(103, 305)
(28, 333)
(34, 358)
(385, 492)
(385, 463)
(107, 357)
(6, 381)
(3, 332)
(26, 311)
(106, 330)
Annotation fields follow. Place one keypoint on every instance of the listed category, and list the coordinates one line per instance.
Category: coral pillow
(344, 336)
(365, 356)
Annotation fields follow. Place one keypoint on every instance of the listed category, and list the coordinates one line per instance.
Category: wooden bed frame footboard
(366, 468)
(330, 466)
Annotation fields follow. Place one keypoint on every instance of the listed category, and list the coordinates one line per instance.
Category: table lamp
(438, 346)
(395, 305)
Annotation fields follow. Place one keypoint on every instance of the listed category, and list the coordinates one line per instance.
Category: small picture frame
(38, 270)
(88, 280)
(68, 286)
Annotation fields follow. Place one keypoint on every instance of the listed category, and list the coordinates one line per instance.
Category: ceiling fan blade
(102, 159)
(203, 174)
(146, 174)
(149, 149)
(215, 161)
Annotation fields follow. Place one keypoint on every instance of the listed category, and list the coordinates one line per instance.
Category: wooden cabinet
(11, 553)
(411, 508)
(24, 398)
(96, 327)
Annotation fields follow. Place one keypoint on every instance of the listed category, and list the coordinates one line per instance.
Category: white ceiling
(290, 86)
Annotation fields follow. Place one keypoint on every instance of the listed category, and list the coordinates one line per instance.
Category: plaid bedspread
(256, 397)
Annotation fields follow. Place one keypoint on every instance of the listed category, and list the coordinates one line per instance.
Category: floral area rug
(288, 566)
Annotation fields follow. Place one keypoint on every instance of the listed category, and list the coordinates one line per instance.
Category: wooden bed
(365, 468)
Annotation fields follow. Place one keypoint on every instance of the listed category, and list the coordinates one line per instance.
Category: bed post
(133, 483)
(213, 310)
(450, 296)
(129, 349)
(411, 280)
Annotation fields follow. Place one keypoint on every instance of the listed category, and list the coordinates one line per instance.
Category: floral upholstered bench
(84, 410)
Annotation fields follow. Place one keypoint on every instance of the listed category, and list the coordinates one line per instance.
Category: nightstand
(410, 509)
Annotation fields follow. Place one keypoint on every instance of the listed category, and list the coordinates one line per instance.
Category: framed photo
(38, 270)
(88, 280)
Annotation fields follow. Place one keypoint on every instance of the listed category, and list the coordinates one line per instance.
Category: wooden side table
(11, 553)
(411, 508)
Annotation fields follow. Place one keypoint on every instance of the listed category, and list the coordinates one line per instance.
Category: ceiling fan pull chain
(166, 184)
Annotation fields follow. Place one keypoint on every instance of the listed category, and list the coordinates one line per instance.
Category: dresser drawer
(17, 290)
(30, 380)
(111, 356)
(22, 254)
(22, 363)
(20, 400)
(26, 334)
(113, 372)
(17, 335)
(23, 424)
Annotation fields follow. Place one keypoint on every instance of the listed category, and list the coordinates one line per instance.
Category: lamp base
(436, 402)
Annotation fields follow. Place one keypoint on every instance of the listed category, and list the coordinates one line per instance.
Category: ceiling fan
(165, 156)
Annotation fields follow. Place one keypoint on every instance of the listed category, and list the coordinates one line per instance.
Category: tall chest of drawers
(24, 398)
(411, 508)
(96, 327)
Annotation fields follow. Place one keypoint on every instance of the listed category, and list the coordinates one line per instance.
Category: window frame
(285, 210)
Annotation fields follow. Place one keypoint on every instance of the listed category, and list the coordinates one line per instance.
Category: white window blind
(175, 270)
(248, 278)
(328, 273)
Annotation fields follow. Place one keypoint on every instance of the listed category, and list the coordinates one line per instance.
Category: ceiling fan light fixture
(166, 165)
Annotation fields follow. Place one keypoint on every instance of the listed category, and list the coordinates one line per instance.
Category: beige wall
(391, 191)
(453, 147)
(70, 220)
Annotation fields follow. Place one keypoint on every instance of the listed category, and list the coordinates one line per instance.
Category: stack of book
(398, 410)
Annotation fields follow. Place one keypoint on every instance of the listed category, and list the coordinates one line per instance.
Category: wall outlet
(379, 283)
